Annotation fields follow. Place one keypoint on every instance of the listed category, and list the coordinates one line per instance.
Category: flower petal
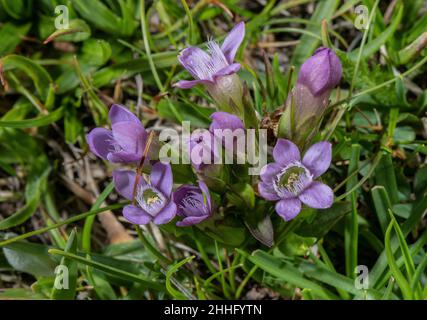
(180, 194)
(228, 70)
(119, 113)
(185, 84)
(267, 192)
(161, 178)
(197, 62)
(100, 142)
(167, 214)
(123, 157)
(270, 171)
(130, 136)
(289, 208)
(318, 195)
(136, 215)
(233, 41)
(285, 152)
(321, 72)
(189, 221)
(224, 120)
(318, 158)
(206, 194)
(124, 181)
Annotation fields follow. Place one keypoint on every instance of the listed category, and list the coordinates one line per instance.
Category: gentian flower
(126, 140)
(291, 181)
(153, 197)
(321, 72)
(203, 149)
(224, 120)
(310, 97)
(230, 130)
(193, 204)
(216, 70)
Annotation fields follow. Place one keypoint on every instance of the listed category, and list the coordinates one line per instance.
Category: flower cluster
(290, 181)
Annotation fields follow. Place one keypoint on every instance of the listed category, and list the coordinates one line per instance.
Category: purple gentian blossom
(291, 181)
(126, 140)
(216, 69)
(230, 131)
(153, 197)
(224, 120)
(193, 204)
(203, 149)
(321, 72)
(310, 97)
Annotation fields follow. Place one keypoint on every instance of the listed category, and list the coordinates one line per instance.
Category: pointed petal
(270, 171)
(136, 215)
(100, 142)
(119, 113)
(321, 72)
(233, 41)
(318, 196)
(289, 208)
(179, 195)
(206, 194)
(167, 214)
(185, 84)
(267, 192)
(233, 68)
(197, 62)
(124, 181)
(130, 136)
(123, 157)
(318, 158)
(285, 152)
(189, 221)
(224, 120)
(161, 178)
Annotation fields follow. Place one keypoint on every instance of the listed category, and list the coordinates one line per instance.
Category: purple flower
(230, 130)
(193, 204)
(309, 99)
(203, 149)
(224, 120)
(321, 72)
(153, 197)
(216, 69)
(291, 181)
(124, 143)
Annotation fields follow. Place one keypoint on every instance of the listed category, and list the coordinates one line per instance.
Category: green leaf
(285, 272)
(36, 122)
(35, 186)
(29, 257)
(171, 270)
(382, 204)
(78, 31)
(323, 220)
(386, 177)
(17, 9)
(98, 14)
(11, 35)
(109, 269)
(308, 44)
(37, 73)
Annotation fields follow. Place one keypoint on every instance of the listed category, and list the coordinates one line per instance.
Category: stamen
(150, 199)
(292, 180)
